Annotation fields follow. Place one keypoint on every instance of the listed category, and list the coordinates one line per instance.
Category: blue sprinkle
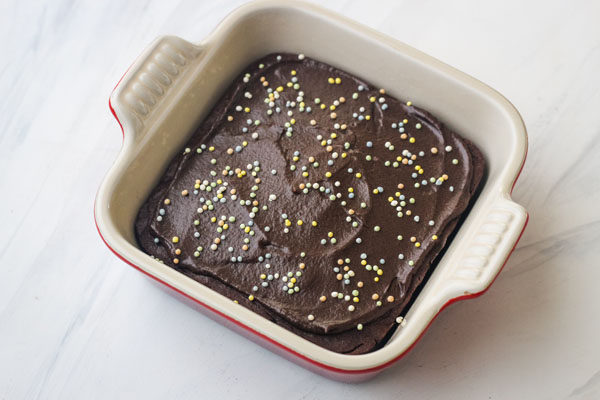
(369, 144)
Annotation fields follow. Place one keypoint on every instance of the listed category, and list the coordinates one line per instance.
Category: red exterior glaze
(313, 365)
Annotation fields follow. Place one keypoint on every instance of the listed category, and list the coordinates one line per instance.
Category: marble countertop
(76, 322)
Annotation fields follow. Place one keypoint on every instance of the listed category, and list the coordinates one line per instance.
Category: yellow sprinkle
(332, 107)
(305, 174)
(288, 222)
(376, 279)
(263, 276)
(251, 298)
(379, 272)
(358, 175)
(412, 140)
(350, 190)
(417, 244)
(344, 155)
(292, 121)
(244, 143)
(434, 237)
(328, 174)
(333, 135)
(409, 103)
(367, 117)
(323, 143)
(372, 99)
(247, 109)
(390, 199)
(229, 118)
(338, 80)
(167, 202)
(247, 229)
(219, 181)
(375, 191)
(293, 280)
(213, 219)
(331, 81)
(289, 84)
(323, 106)
(300, 222)
(356, 299)
(293, 72)
(330, 234)
(314, 223)
(363, 262)
(175, 239)
(211, 148)
(405, 121)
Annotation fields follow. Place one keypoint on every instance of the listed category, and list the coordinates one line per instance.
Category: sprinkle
(167, 202)
(251, 297)
(300, 56)
(359, 327)
(448, 149)
(175, 239)
(390, 299)
(311, 317)
(376, 228)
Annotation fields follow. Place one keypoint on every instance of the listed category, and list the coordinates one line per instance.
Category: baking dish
(169, 89)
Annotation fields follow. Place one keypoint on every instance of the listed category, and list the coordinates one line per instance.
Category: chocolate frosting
(312, 198)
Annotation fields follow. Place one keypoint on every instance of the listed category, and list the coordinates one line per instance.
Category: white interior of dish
(151, 140)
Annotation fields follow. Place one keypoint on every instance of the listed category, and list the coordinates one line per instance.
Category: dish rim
(108, 236)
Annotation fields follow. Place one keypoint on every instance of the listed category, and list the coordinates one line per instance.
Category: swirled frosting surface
(312, 198)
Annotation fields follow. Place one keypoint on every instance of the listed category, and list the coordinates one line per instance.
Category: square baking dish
(168, 90)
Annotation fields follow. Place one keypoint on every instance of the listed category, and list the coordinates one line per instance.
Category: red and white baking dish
(174, 83)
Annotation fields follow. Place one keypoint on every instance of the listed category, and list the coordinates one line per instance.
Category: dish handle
(483, 255)
(150, 80)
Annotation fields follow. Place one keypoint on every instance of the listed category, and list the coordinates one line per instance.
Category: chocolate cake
(314, 199)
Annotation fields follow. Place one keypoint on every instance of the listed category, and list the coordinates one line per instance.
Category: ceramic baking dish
(172, 85)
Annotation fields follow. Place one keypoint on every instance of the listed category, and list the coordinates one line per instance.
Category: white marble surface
(75, 322)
